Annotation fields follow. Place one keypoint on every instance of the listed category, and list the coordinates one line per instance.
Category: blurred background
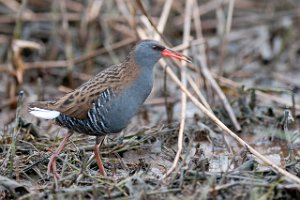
(246, 61)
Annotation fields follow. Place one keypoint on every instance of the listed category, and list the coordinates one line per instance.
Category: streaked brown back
(78, 102)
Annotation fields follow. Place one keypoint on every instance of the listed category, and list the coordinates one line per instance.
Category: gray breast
(126, 105)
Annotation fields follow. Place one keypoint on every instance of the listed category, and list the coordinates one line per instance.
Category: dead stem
(264, 96)
(253, 43)
(12, 150)
(186, 38)
(223, 48)
(275, 168)
(220, 93)
(287, 119)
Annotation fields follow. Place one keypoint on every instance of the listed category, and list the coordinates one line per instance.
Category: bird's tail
(41, 109)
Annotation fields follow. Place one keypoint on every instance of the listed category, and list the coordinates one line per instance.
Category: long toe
(52, 166)
(102, 171)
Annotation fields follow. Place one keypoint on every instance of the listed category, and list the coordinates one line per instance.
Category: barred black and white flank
(95, 123)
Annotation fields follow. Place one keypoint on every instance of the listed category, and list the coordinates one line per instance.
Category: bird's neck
(143, 81)
(144, 62)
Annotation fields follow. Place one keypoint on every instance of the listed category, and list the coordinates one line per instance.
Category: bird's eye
(157, 48)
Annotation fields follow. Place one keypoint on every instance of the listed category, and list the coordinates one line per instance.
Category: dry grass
(244, 77)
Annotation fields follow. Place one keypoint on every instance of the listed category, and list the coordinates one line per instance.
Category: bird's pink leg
(99, 141)
(52, 162)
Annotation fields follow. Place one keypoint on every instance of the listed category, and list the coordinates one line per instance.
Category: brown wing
(73, 104)
(78, 102)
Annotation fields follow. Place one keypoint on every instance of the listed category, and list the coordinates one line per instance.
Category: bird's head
(148, 52)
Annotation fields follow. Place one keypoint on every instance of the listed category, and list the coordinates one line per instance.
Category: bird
(106, 103)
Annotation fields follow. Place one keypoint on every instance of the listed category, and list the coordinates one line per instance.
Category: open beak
(173, 54)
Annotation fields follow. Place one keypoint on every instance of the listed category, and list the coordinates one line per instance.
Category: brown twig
(231, 133)
(201, 58)
(229, 83)
(198, 92)
(221, 125)
(142, 8)
(63, 63)
(186, 38)
(220, 93)
(224, 38)
(163, 18)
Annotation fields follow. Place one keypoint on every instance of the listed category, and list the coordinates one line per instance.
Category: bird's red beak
(173, 54)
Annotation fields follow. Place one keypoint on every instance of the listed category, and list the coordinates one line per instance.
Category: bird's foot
(52, 161)
(52, 166)
(102, 171)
